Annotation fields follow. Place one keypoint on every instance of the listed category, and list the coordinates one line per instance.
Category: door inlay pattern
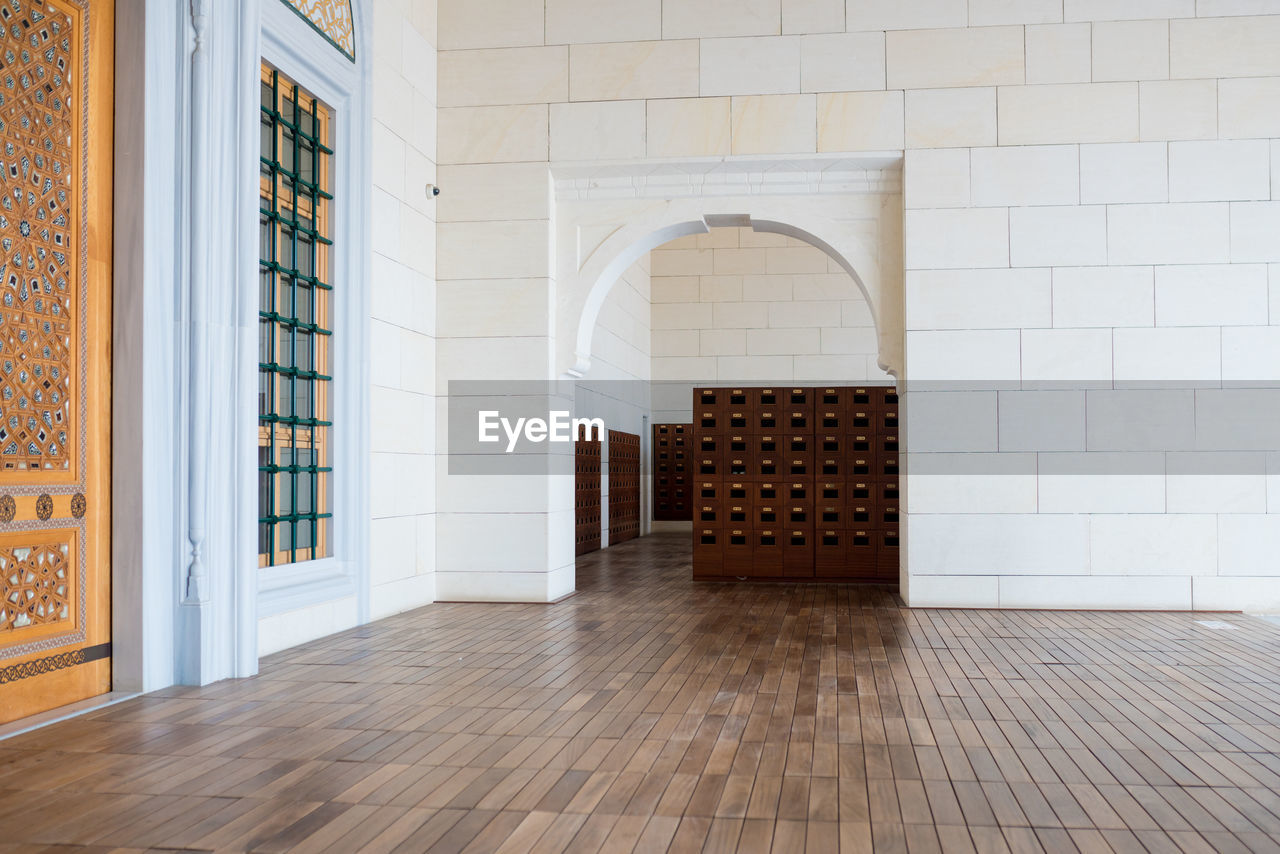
(60, 661)
(35, 585)
(56, 139)
(44, 140)
(39, 148)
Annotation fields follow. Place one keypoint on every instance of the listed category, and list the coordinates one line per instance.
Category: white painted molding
(201, 655)
(149, 544)
(299, 585)
(198, 364)
(242, 349)
(828, 222)
(730, 176)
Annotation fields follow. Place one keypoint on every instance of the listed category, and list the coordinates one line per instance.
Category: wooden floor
(655, 713)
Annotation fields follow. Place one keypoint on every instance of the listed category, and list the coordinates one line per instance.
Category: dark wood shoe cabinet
(791, 483)
(672, 468)
(624, 486)
(586, 494)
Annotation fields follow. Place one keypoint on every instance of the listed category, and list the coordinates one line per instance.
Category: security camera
(433, 190)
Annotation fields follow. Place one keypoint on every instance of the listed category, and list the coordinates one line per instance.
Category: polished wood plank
(655, 713)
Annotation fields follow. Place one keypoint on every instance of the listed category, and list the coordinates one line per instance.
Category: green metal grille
(294, 384)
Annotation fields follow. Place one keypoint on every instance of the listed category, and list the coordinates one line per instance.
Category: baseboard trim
(62, 713)
(568, 595)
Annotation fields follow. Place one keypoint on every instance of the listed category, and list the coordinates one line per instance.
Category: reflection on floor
(655, 713)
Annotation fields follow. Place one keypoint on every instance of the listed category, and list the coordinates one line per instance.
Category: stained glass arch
(330, 18)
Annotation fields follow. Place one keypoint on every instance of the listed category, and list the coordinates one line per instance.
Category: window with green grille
(294, 374)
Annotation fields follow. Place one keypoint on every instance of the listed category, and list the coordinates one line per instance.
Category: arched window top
(331, 19)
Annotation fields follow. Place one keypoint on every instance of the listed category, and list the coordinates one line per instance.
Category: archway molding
(849, 209)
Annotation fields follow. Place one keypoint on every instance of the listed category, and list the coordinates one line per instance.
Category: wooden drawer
(796, 465)
(708, 554)
(767, 514)
(738, 549)
(767, 552)
(797, 552)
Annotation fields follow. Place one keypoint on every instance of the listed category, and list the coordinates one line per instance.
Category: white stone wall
(736, 305)
(621, 346)
(1090, 201)
(403, 329)
(617, 387)
(1104, 273)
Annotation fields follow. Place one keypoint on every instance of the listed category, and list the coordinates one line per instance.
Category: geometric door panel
(56, 105)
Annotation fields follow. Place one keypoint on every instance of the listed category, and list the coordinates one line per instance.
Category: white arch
(609, 276)
(584, 294)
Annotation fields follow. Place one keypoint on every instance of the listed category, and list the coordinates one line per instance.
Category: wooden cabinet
(586, 494)
(795, 483)
(624, 486)
(673, 472)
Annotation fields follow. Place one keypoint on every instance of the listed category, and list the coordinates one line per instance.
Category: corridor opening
(775, 320)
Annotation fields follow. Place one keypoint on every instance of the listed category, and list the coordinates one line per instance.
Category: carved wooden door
(56, 103)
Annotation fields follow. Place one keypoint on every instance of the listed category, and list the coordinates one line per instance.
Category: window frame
(299, 52)
(317, 436)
